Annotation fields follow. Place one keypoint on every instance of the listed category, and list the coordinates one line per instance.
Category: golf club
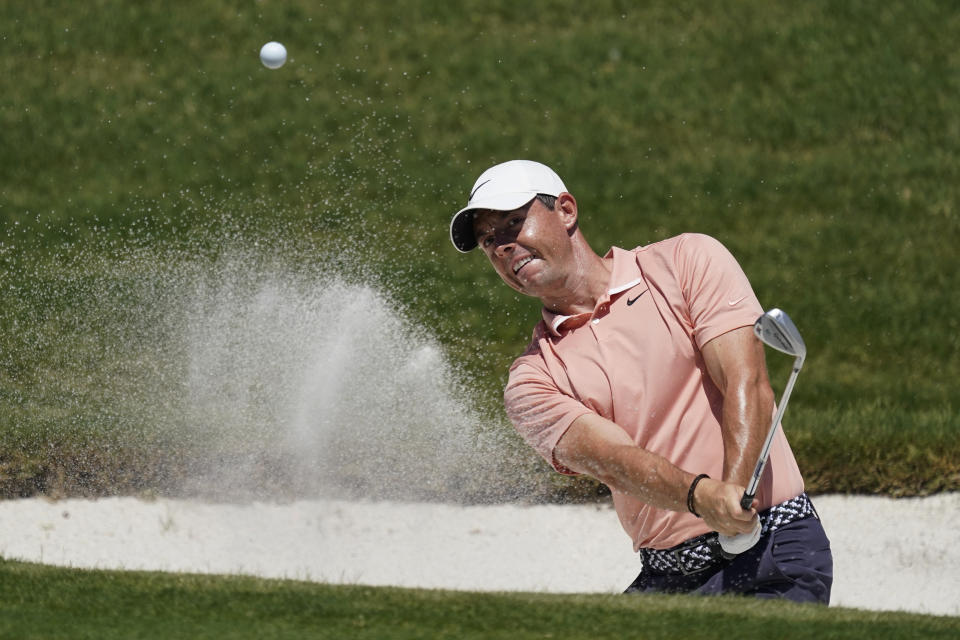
(775, 329)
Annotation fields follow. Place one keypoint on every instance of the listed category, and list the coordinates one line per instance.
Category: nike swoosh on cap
(734, 303)
(477, 189)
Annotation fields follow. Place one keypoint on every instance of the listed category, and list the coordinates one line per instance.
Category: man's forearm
(747, 411)
(737, 366)
(600, 449)
(644, 475)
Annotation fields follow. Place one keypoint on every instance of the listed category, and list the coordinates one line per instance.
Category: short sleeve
(540, 411)
(718, 293)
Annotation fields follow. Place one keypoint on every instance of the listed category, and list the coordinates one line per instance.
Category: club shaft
(751, 489)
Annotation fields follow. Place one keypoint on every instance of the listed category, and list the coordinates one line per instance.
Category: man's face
(528, 247)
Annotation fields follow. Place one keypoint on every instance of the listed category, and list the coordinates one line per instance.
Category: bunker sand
(888, 554)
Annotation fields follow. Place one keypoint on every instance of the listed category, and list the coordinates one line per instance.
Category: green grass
(818, 142)
(45, 602)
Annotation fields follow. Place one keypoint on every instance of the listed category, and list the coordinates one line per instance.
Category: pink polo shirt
(636, 361)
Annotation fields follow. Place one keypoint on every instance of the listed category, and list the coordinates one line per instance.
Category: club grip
(746, 500)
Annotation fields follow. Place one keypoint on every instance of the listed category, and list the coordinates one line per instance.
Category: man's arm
(735, 361)
(599, 448)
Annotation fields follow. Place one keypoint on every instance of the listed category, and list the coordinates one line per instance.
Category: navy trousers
(793, 562)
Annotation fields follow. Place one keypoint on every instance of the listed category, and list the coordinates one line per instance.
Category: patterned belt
(703, 552)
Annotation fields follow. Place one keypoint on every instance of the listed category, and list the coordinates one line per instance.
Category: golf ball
(273, 55)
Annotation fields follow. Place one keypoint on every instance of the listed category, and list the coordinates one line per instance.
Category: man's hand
(718, 503)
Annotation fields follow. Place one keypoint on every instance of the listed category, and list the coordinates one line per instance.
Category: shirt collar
(624, 275)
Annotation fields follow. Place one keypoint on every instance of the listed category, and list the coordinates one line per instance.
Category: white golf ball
(273, 55)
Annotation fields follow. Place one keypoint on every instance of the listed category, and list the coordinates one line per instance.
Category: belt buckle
(682, 565)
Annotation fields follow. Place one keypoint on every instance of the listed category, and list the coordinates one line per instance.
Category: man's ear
(567, 207)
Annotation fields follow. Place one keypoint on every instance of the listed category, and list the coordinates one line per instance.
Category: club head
(776, 329)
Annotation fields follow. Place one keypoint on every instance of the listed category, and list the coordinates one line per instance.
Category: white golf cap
(503, 187)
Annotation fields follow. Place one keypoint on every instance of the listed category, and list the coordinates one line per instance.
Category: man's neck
(587, 282)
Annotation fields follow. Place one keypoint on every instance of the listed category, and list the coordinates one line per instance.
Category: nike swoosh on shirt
(630, 302)
(734, 303)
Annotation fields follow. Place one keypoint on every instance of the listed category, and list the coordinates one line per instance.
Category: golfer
(645, 374)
